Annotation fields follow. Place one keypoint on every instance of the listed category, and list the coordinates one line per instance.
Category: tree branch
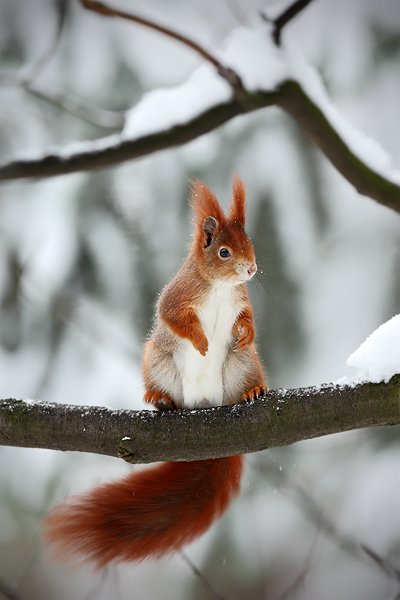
(311, 509)
(319, 130)
(284, 18)
(8, 591)
(107, 11)
(282, 417)
(201, 577)
(383, 563)
(41, 63)
(290, 96)
(114, 150)
(98, 117)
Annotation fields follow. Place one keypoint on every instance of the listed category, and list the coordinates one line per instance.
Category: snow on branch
(282, 417)
(248, 73)
(113, 150)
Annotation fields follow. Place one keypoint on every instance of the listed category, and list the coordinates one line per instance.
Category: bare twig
(201, 577)
(383, 563)
(95, 591)
(301, 577)
(238, 11)
(28, 73)
(304, 500)
(41, 63)
(314, 511)
(227, 73)
(26, 77)
(284, 18)
(94, 115)
(280, 418)
(7, 592)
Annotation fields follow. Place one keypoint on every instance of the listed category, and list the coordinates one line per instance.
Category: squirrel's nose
(252, 270)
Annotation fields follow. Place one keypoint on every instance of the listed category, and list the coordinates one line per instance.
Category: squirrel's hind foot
(161, 400)
(255, 393)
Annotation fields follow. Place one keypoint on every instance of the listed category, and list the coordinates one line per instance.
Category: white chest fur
(202, 381)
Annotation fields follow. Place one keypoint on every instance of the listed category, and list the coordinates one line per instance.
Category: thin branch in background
(237, 11)
(383, 563)
(67, 313)
(7, 592)
(227, 73)
(201, 577)
(26, 78)
(16, 272)
(34, 70)
(110, 120)
(311, 509)
(386, 566)
(301, 577)
(284, 18)
(100, 583)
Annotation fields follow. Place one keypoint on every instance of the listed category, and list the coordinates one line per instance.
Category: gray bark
(282, 417)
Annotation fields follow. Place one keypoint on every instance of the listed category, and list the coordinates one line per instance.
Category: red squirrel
(200, 353)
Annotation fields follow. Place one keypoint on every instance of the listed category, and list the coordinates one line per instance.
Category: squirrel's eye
(224, 253)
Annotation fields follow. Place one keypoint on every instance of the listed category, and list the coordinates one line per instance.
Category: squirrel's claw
(254, 394)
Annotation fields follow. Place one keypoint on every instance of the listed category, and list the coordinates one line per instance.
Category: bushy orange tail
(147, 514)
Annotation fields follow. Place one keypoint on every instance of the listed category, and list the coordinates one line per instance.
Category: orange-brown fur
(147, 514)
(156, 511)
(177, 314)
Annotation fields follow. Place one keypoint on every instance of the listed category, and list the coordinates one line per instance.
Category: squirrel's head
(221, 246)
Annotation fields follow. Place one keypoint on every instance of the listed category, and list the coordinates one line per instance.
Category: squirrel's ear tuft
(237, 210)
(208, 214)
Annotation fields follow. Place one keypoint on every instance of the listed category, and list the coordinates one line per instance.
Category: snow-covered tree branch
(282, 417)
(230, 83)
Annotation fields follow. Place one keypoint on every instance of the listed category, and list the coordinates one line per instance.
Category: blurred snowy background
(83, 256)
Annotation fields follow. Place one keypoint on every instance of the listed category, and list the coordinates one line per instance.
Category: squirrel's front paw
(245, 334)
(200, 342)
